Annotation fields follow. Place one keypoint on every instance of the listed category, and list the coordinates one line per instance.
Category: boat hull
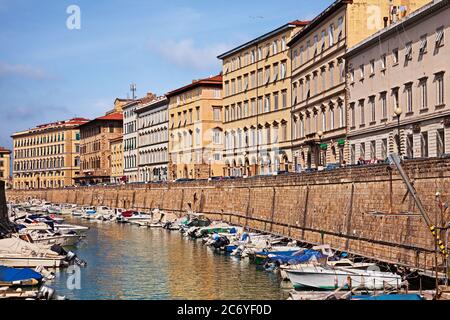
(324, 279)
(31, 262)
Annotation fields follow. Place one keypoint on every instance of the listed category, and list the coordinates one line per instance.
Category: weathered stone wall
(334, 207)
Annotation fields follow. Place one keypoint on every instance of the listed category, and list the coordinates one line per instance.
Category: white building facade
(130, 142)
(153, 140)
(401, 73)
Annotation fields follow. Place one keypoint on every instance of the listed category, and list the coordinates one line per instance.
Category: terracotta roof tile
(216, 80)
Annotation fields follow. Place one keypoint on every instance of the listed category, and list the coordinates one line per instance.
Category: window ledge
(372, 75)
(440, 106)
(362, 125)
(395, 64)
(372, 123)
(352, 128)
(410, 113)
(384, 120)
(423, 110)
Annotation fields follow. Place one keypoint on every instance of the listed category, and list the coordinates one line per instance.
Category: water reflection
(128, 262)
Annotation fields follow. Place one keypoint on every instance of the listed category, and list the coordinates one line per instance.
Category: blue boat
(24, 277)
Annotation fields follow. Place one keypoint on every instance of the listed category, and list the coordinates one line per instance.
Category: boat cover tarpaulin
(303, 257)
(390, 297)
(11, 274)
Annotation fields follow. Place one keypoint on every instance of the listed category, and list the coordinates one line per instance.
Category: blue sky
(50, 73)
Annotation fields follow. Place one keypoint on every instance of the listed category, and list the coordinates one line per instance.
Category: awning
(341, 142)
(324, 146)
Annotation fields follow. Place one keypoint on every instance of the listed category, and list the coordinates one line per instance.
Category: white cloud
(24, 71)
(187, 54)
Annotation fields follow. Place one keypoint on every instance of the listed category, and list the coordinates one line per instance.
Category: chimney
(385, 19)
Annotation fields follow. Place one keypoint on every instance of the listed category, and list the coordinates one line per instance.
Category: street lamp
(320, 134)
(398, 113)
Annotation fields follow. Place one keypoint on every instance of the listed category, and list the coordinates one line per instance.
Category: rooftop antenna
(133, 90)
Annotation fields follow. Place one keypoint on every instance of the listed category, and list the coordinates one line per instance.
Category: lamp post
(320, 134)
(398, 113)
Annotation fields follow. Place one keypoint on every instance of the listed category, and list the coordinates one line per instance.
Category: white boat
(330, 278)
(64, 228)
(49, 238)
(18, 253)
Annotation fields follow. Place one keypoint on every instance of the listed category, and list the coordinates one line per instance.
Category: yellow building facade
(257, 100)
(195, 130)
(5, 166)
(47, 156)
(319, 93)
(116, 159)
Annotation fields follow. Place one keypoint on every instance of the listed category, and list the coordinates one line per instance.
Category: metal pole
(398, 137)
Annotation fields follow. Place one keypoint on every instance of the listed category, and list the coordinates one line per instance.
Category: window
(284, 99)
(246, 109)
(383, 105)
(383, 62)
(395, 101)
(246, 82)
(341, 115)
(275, 101)
(216, 136)
(283, 43)
(410, 146)
(316, 42)
(322, 46)
(239, 84)
(227, 88)
(352, 154)
(423, 94)
(260, 77)
(440, 142)
(331, 34)
(308, 45)
(324, 120)
(409, 98)
(331, 70)
(275, 47)
(253, 107)
(372, 108)
(384, 148)
(408, 51)
(275, 72)
(373, 145)
(301, 55)
(267, 103)
(352, 75)
(440, 89)
(283, 70)
(267, 75)
(423, 45)
(361, 107)
(233, 86)
(260, 53)
(253, 79)
(362, 151)
(439, 37)
(217, 115)
(395, 56)
(197, 111)
(340, 27)
(331, 118)
(352, 112)
(372, 67)
(424, 144)
(260, 105)
(361, 71)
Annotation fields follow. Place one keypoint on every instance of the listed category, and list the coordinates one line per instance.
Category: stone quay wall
(363, 210)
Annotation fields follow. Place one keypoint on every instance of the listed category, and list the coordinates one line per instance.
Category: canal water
(133, 263)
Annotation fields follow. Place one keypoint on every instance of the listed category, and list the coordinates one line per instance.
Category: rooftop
(292, 24)
(318, 19)
(399, 26)
(74, 122)
(4, 150)
(215, 80)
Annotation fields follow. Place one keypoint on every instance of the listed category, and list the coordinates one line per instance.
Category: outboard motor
(45, 293)
(70, 256)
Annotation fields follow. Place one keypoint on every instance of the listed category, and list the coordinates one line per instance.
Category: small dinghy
(19, 277)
